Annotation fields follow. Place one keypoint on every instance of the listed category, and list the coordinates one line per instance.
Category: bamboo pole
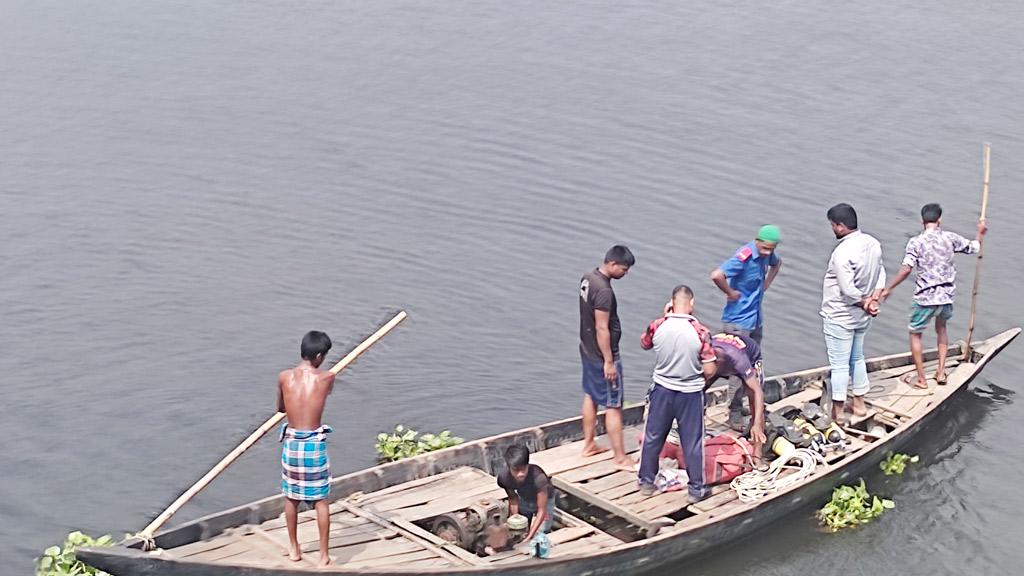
(981, 252)
(148, 531)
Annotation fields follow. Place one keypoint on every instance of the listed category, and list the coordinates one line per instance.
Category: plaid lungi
(305, 467)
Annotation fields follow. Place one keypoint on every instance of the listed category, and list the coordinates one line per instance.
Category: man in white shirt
(853, 285)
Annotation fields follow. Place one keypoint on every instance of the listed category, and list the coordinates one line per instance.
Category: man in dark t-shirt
(739, 355)
(600, 332)
(529, 490)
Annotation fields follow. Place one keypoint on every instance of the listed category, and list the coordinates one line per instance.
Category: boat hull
(663, 549)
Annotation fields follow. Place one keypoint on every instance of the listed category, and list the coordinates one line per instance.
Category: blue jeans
(846, 356)
(528, 508)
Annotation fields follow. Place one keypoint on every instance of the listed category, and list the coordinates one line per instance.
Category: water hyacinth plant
(851, 506)
(58, 561)
(404, 442)
(896, 463)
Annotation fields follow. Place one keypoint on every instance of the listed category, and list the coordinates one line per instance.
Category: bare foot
(626, 465)
(325, 561)
(918, 382)
(294, 554)
(859, 408)
(593, 450)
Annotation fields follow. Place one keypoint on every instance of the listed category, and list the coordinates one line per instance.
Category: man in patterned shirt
(931, 252)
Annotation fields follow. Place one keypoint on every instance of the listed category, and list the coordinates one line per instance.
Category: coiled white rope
(756, 484)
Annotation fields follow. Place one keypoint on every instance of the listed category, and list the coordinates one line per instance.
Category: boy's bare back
(302, 393)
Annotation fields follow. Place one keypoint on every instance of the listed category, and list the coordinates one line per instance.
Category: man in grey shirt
(853, 285)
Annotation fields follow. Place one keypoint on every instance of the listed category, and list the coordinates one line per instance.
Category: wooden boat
(382, 517)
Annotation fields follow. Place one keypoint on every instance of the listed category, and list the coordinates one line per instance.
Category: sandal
(940, 379)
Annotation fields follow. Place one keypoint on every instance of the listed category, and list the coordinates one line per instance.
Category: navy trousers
(687, 410)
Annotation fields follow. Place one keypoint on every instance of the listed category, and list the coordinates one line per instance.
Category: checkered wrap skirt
(305, 467)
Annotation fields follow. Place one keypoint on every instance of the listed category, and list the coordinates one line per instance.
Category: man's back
(931, 252)
(304, 392)
(740, 352)
(681, 345)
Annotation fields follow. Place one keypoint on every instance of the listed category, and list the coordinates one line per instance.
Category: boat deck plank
(567, 457)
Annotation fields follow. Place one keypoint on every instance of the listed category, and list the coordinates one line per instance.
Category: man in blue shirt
(744, 278)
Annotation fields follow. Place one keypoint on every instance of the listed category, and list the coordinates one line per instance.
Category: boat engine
(467, 528)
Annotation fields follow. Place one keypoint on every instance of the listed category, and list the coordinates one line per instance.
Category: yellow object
(809, 430)
(834, 433)
(782, 447)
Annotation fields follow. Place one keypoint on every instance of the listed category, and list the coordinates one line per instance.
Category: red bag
(725, 457)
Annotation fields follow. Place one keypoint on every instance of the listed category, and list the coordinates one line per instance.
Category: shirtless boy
(306, 470)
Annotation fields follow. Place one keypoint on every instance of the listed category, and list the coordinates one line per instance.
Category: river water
(187, 187)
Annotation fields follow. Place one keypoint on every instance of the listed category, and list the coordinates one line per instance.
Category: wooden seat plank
(579, 491)
(620, 491)
(450, 503)
(565, 535)
(618, 478)
(425, 481)
(714, 501)
(403, 559)
(589, 472)
(467, 479)
(201, 546)
(567, 456)
(424, 539)
(233, 548)
(378, 549)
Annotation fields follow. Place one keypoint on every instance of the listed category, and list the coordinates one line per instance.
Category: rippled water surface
(186, 188)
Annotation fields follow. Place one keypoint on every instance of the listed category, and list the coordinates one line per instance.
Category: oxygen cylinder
(834, 433)
(782, 447)
(809, 430)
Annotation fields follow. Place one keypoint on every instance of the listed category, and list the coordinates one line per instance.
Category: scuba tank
(832, 431)
(832, 434)
(809, 430)
(783, 435)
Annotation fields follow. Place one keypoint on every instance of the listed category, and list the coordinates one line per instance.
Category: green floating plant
(403, 443)
(61, 561)
(851, 506)
(896, 463)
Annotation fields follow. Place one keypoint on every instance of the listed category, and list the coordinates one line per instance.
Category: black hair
(314, 344)
(517, 456)
(931, 213)
(684, 289)
(620, 254)
(843, 214)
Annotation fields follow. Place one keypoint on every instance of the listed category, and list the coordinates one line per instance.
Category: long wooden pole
(148, 531)
(981, 252)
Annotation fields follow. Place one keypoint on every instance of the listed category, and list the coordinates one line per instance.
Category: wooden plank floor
(354, 542)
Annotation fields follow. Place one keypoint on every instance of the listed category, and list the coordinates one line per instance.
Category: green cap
(769, 233)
